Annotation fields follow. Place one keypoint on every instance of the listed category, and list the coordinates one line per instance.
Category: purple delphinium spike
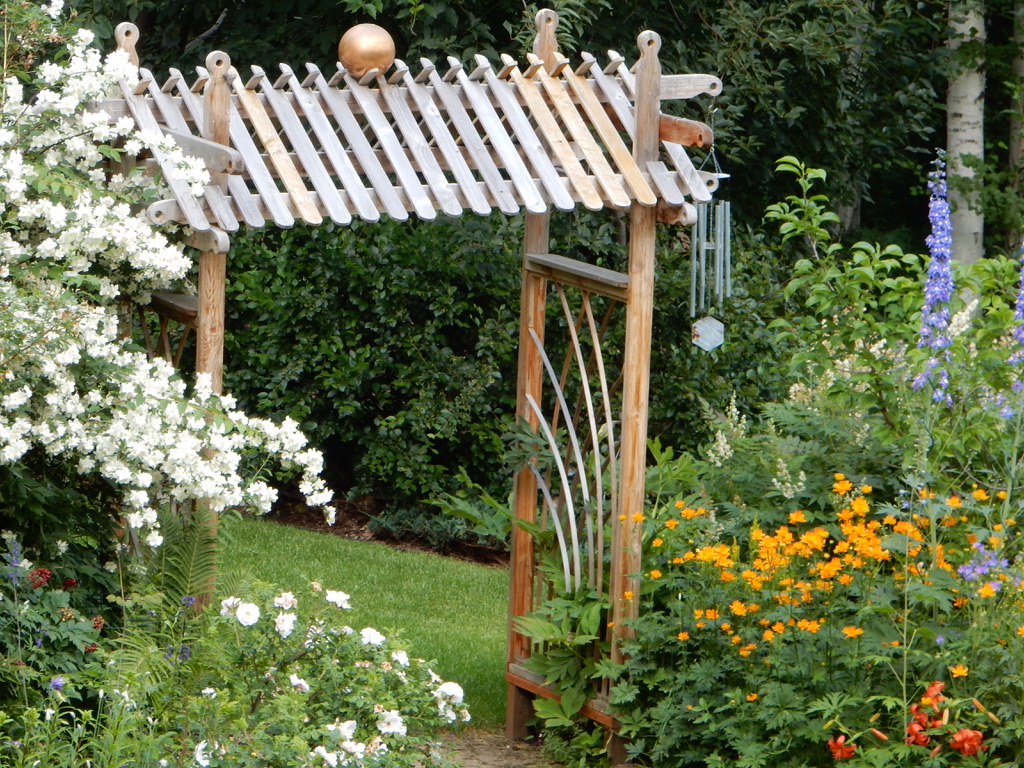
(1018, 314)
(938, 289)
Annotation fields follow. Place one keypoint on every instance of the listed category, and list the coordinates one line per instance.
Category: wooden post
(213, 263)
(532, 313)
(627, 526)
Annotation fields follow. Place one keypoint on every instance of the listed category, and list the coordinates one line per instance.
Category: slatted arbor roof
(309, 145)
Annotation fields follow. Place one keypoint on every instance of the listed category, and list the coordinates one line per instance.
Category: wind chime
(710, 261)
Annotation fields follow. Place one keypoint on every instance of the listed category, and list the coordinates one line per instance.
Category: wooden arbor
(309, 145)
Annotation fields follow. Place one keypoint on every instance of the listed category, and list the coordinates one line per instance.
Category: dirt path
(477, 748)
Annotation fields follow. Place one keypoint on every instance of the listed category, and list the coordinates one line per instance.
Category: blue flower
(938, 289)
(57, 683)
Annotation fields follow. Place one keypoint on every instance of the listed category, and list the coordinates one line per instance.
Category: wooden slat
(618, 151)
(666, 182)
(586, 277)
(688, 86)
(581, 182)
(360, 147)
(144, 118)
(307, 153)
(309, 102)
(419, 146)
(239, 190)
(263, 127)
(526, 136)
(181, 307)
(521, 177)
(492, 177)
(392, 146)
(446, 145)
(528, 680)
(578, 129)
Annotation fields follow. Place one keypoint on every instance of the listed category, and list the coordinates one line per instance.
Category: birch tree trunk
(965, 138)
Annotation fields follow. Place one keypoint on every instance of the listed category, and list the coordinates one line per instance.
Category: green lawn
(448, 610)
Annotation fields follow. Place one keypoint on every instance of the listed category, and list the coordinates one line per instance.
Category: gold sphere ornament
(365, 47)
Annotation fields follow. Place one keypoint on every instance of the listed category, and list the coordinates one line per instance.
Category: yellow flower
(638, 517)
(751, 697)
(679, 505)
(865, 489)
(655, 574)
(853, 631)
(1020, 630)
(980, 494)
(1001, 495)
(954, 501)
(839, 476)
(797, 516)
(958, 670)
(987, 590)
(628, 595)
(725, 626)
(672, 523)
(622, 518)
(683, 635)
(657, 543)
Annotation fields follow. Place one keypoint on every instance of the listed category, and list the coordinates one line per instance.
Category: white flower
(346, 730)
(110, 566)
(285, 600)
(47, 714)
(200, 754)
(247, 614)
(61, 546)
(211, 692)
(154, 539)
(450, 691)
(329, 758)
(284, 624)
(340, 599)
(400, 657)
(229, 604)
(355, 748)
(390, 721)
(371, 636)
(298, 683)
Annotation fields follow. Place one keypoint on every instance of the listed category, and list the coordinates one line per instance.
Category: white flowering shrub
(71, 248)
(267, 677)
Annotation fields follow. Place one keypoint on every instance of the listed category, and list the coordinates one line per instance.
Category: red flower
(839, 748)
(967, 741)
(916, 734)
(69, 583)
(38, 577)
(91, 648)
(97, 622)
(932, 692)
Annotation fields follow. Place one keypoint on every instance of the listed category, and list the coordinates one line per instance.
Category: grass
(449, 611)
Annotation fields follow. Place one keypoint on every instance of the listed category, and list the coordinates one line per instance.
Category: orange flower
(987, 590)
(753, 697)
(671, 523)
(628, 595)
(853, 631)
(842, 486)
(657, 543)
(958, 670)
(797, 516)
(954, 501)
(711, 614)
(638, 517)
(1020, 630)
(967, 741)
(655, 574)
(866, 489)
(683, 635)
(839, 748)
(980, 494)
(738, 608)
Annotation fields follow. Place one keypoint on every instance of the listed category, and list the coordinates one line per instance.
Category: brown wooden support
(532, 313)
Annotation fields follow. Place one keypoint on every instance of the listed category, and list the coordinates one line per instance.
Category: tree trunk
(965, 138)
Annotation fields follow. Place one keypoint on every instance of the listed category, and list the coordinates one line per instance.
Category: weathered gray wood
(471, 140)
(389, 141)
(521, 177)
(446, 145)
(666, 182)
(307, 153)
(689, 86)
(309, 102)
(190, 104)
(579, 131)
(264, 128)
(353, 133)
(144, 118)
(525, 136)
(541, 113)
(586, 277)
(419, 146)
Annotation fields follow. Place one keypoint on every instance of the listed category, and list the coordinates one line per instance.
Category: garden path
(478, 748)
